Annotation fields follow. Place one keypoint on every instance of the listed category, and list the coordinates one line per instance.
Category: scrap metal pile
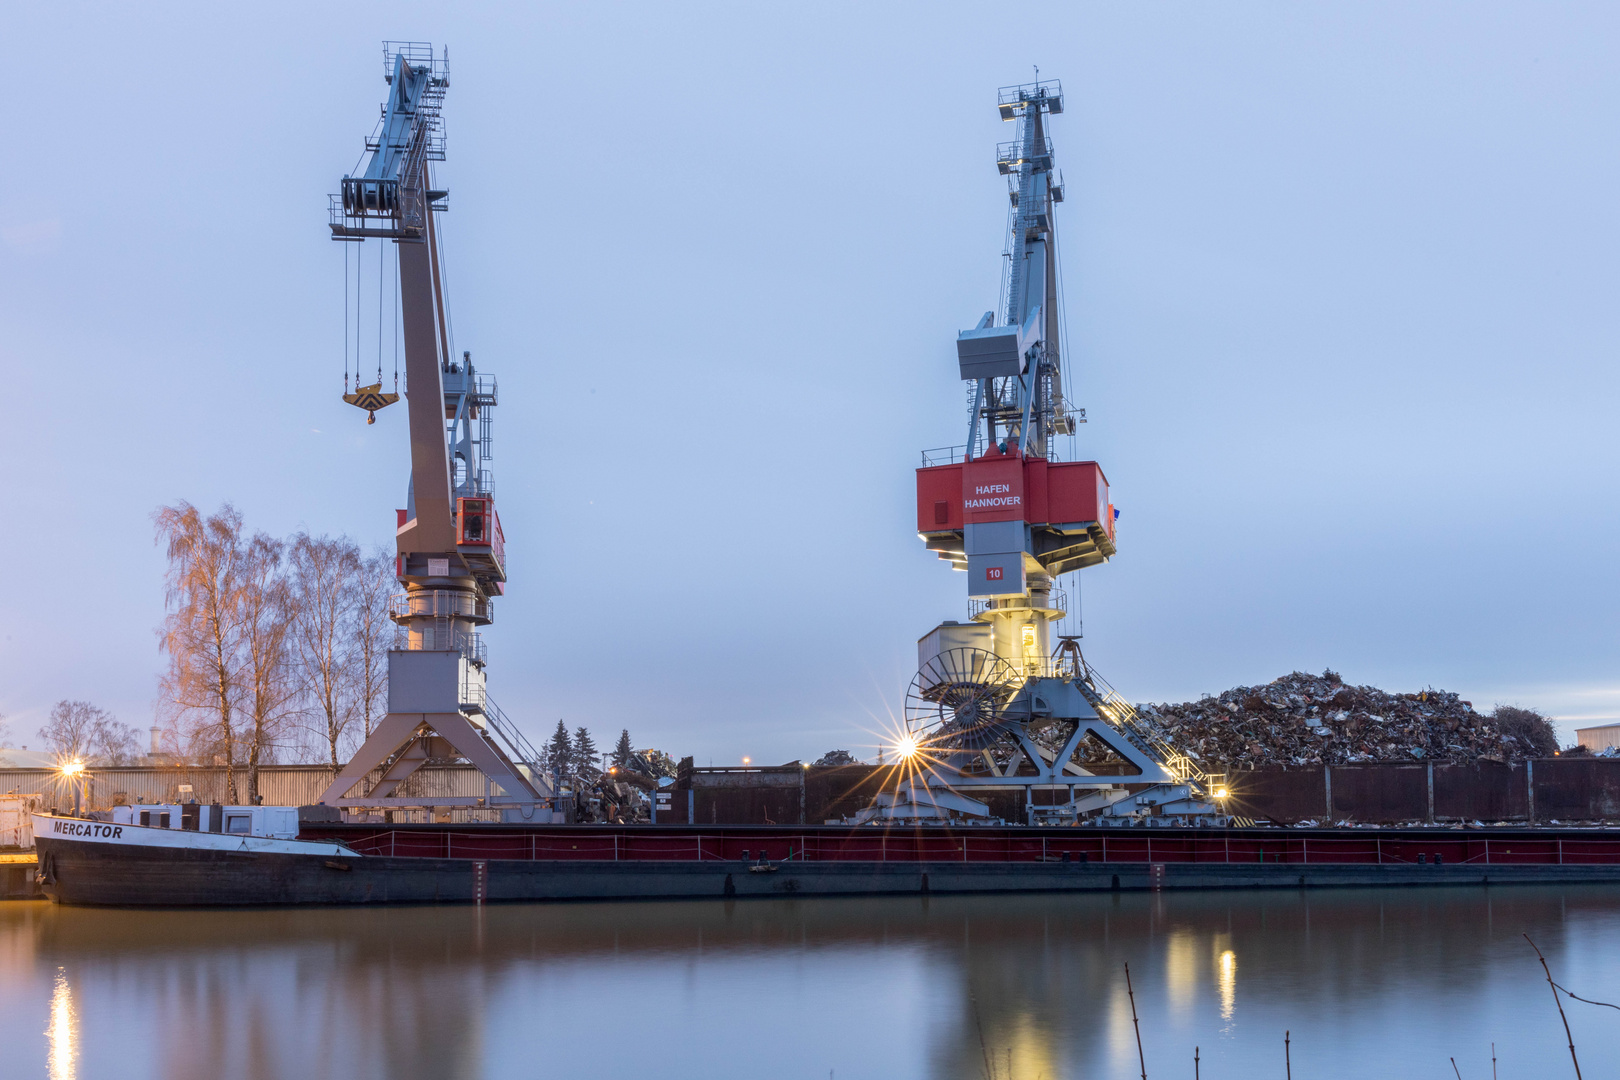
(1303, 719)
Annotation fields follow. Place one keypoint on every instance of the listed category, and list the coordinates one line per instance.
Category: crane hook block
(370, 398)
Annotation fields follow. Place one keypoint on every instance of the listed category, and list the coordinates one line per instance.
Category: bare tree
(325, 582)
(203, 632)
(373, 634)
(270, 685)
(79, 731)
(1529, 727)
(70, 731)
(117, 744)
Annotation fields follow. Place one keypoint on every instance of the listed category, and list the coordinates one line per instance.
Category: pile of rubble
(1304, 719)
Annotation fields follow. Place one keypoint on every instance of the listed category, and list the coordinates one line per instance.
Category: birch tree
(203, 632)
(326, 582)
(373, 636)
(270, 687)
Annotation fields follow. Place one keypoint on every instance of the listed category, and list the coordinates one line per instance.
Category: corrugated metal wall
(280, 785)
(1566, 789)
(1560, 788)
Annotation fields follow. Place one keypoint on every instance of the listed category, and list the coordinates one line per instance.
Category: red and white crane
(994, 705)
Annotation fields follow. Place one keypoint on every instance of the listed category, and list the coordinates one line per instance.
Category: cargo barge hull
(647, 864)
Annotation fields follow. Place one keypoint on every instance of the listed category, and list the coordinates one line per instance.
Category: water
(1381, 983)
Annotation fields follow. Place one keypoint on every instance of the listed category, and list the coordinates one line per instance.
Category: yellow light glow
(1222, 793)
(62, 1058)
(906, 747)
(747, 760)
(1029, 637)
(73, 768)
(1227, 983)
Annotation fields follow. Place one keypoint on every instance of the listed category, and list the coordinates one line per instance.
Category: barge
(129, 865)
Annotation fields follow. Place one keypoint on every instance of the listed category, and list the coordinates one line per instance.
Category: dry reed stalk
(1554, 988)
(1131, 993)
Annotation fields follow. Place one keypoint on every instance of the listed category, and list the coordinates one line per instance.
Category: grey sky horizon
(1340, 288)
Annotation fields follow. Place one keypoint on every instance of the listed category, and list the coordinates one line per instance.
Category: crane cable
(345, 319)
(359, 274)
(380, 279)
(396, 326)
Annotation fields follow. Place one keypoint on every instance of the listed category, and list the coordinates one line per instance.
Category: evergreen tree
(585, 757)
(623, 750)
(560, 750)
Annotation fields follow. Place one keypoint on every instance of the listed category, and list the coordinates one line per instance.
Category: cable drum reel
(958, 700)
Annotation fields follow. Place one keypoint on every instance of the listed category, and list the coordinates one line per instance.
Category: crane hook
(371, 398)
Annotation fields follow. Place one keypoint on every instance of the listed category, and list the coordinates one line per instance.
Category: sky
(1339, 286)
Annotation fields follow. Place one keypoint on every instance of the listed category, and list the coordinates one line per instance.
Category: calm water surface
(1390, 983)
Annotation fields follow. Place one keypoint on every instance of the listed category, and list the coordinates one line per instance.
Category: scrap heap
(1303, 719)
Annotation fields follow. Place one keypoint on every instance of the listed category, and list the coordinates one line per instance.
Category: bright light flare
(1223, 793)
(72, 768)
(907, 747)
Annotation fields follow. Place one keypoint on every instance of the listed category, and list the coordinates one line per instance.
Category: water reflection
(994, 988)
(62, 1059)
(1227, 982)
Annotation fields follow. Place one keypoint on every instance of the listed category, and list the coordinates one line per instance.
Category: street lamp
(74, 773)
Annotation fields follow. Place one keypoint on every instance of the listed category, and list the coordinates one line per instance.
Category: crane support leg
(400, 737)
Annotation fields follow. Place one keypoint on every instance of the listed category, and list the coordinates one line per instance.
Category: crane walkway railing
(1113, 707)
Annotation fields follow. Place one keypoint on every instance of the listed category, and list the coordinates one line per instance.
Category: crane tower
(994, 705)
(451, 557)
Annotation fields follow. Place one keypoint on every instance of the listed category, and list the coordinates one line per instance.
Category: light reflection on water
(992, 988)
(62, 1057)
(1227, 982)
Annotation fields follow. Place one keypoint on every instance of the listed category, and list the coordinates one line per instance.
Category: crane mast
(1028, 406)
(451, 558)
(994, 704)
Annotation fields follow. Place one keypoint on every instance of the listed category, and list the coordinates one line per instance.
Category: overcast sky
(1340, 288)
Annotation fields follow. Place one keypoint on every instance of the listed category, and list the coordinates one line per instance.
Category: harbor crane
(994, 704)
(451, 557)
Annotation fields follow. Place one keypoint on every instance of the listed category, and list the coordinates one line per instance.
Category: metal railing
(1010, 156)
(1056, 600)
(1049, 90)
(1113, 707)
(440, 603)
(943, 455)
(523, 751)
(470, 645)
